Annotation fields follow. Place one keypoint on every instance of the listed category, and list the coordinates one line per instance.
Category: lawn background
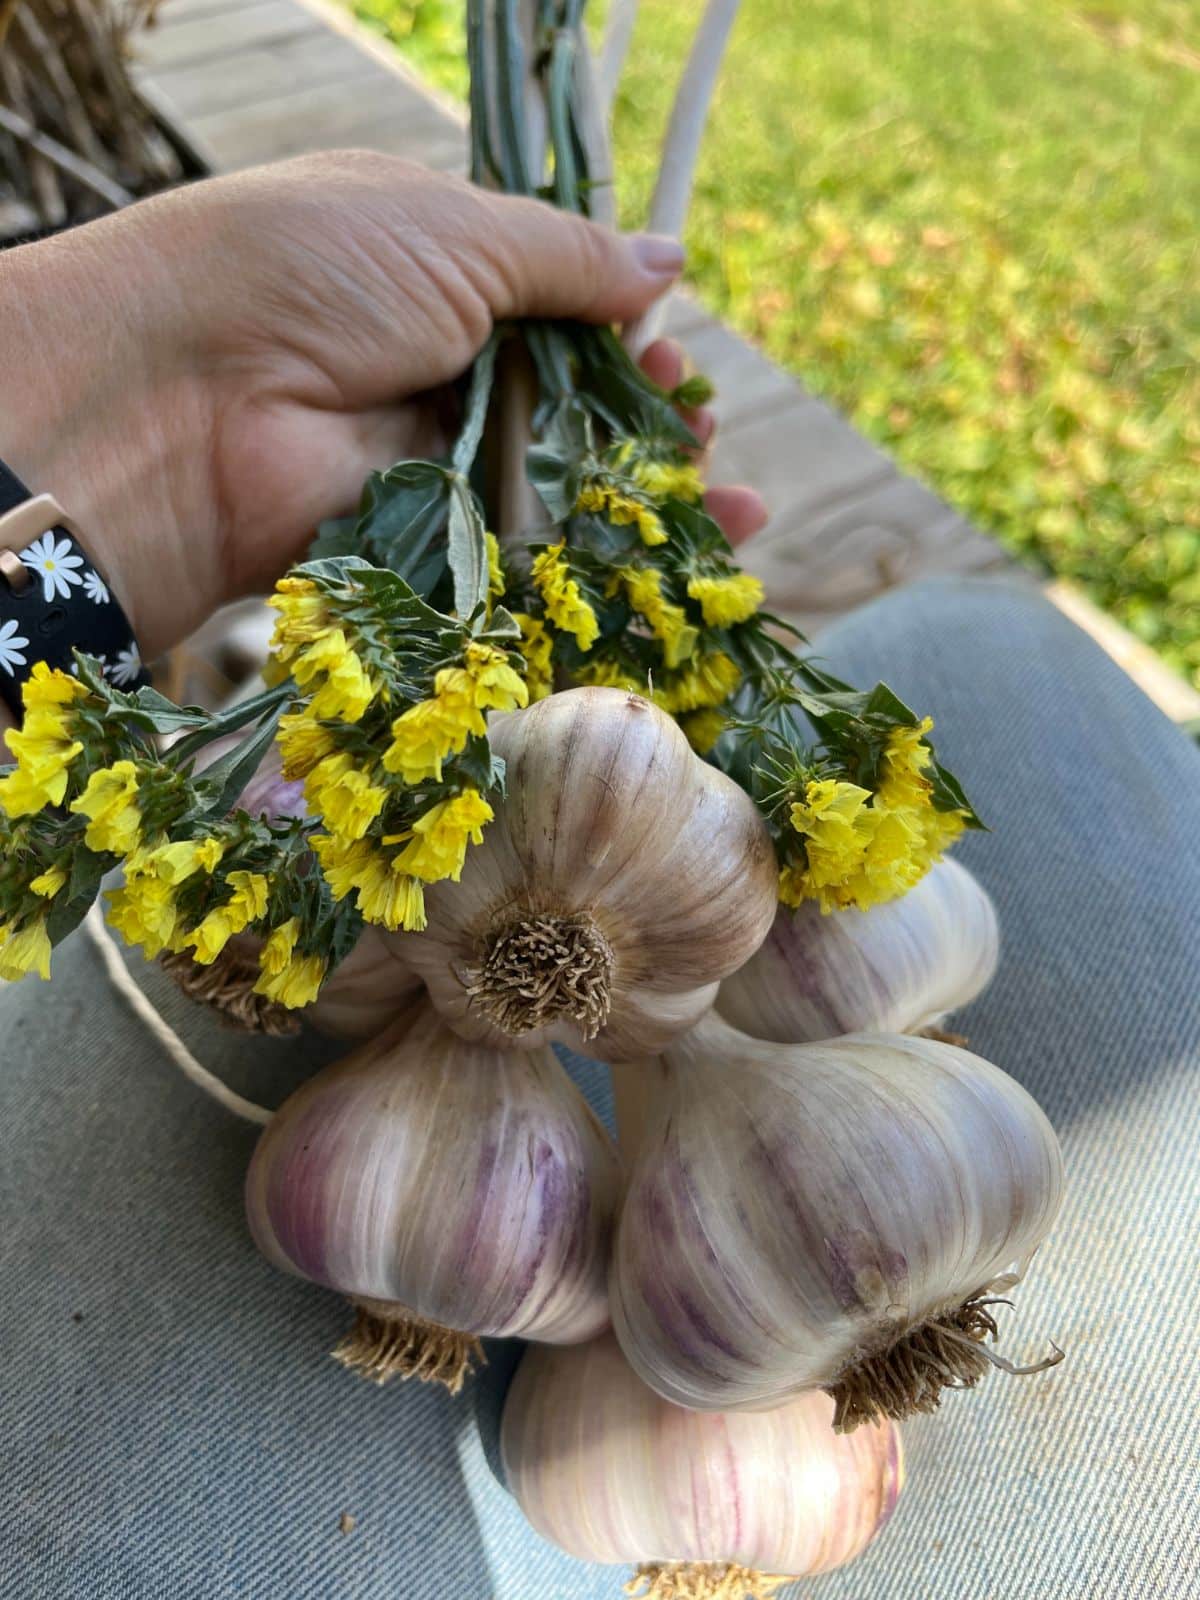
(973, 226)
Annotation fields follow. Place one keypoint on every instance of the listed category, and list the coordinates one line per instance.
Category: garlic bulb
(366, 992)
(704, 1503)
(449, 1189)
(621, 878)
(835, 1215)
(896, 968)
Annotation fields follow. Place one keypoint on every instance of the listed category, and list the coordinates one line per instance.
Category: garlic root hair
(226, 985)
(940, 1036)
(386, 1342)
(701, 1580)
(538, 967)
(944, 1352)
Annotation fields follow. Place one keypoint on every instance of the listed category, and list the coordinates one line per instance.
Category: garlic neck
(537, 968)
(711, 1039)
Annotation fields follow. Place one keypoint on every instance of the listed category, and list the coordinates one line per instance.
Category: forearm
(90, 416)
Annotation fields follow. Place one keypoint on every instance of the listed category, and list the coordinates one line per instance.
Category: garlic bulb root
(620, 880)
(388, 1342)
(701, 1580)
(944, 1352)
(450, 1190)
(227, 986)
(539, 968)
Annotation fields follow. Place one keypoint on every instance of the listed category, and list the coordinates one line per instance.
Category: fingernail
(658, 254)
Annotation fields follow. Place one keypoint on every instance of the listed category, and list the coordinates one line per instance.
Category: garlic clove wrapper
(365, 992)
(896, 968)
(450, 1189)
(621, 879)
(705, 1504)
(833, 1215)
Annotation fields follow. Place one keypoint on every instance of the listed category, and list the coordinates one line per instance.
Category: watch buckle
(20, 527)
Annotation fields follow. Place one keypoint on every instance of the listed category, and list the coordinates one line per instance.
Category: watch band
(52, 598)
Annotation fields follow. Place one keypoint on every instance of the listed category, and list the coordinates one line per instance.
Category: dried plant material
(701, 1580)
(383, 1347)
(227, 986)
(540, 968)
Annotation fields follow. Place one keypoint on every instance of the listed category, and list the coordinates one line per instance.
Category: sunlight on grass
(973, 228)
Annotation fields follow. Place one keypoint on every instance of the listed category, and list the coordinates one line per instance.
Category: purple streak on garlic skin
(472, 1187)
(609, 1472)
(897, 967)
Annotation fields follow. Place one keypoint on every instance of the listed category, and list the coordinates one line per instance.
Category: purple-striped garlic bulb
(839, 1216)
(896, 968)
(706, 1505)
(451, 1190)
(621, 879)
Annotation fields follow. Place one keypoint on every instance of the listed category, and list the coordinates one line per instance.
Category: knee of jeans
(973, 620)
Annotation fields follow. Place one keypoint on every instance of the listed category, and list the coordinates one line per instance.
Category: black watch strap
(52, 598)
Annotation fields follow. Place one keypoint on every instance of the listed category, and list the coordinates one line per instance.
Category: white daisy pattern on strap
(12, 648)
(127, 666)
(56, 563)
(95, 587)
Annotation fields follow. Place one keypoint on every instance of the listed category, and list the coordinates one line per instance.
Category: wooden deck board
(256, 80)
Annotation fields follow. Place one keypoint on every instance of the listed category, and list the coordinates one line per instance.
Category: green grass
(973, 227)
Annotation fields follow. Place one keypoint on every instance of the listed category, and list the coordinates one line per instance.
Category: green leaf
(476, 409)
(479, 766)
(335, 537)
(501, 626)
(554, 464)
(403, 510)
(223, 782)
(467, 544)
(65, 915)
(626, 398)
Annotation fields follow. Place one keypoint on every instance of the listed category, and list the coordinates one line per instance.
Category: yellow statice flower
(703, 729)
(48, 883)
(668, 480)
(487, 681)
(707, 680)
(536, 647)
(938, 830)
(563, 599)
(344, 795)
(48, 687)
(604, 674)
(495, 567)
(20, 796)
(902, 779)
(145, 909)
(729, 600)
(302, 743)
(386, 895)
(643, 586)
(284, 977)
(246, 904)
(427, 733)
(827, 819)
(44, 745)
(344, 686)
(422, 738)
(25, 951)
(303, 616)
(115, 822)
(440, 837)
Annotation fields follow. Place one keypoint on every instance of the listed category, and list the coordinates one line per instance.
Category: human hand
(207, 375)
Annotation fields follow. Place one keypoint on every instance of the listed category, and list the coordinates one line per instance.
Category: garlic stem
(681, 147)
(618, 33)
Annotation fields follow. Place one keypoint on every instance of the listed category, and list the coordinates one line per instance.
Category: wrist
(95, 419)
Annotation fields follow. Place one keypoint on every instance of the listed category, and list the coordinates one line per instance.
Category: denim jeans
(172, 1425)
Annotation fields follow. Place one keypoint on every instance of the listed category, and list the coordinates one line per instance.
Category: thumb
(541, 262)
